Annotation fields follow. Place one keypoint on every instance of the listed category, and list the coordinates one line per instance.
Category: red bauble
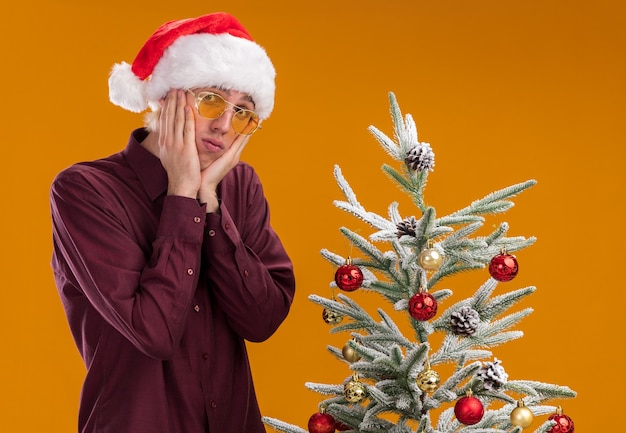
(469, 410)
(321, 423)
(564, 423)
(503, 267)
(349, 277)
(422, 306)
(342, 427)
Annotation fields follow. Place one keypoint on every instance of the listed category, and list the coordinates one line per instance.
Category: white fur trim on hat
(126, 89)
(220, 60)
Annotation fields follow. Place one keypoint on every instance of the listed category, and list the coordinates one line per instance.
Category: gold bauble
(331, 317)
(430, 259)
(354, 391)
(521, 416)
(349, 354)
(428, 380)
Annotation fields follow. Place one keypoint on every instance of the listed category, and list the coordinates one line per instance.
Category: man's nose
(223, 122)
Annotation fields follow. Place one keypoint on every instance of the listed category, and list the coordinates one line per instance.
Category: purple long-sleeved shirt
(160, 295)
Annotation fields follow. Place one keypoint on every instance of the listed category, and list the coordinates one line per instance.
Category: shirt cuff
(220, 233)
(181, 217)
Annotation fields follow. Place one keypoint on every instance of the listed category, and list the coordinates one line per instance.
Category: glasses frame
(200, 96)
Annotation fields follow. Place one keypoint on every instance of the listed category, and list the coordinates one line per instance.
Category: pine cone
(420, 158)
(407, 227)
(465, 321)
(493, 375)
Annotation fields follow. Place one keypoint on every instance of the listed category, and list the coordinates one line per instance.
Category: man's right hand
(177, 145)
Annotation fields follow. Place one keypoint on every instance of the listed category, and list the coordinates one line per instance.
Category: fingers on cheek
(241, 141)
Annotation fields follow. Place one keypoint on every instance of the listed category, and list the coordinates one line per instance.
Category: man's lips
(212, 144)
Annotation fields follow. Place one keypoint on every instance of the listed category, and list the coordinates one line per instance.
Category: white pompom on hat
(213, 50)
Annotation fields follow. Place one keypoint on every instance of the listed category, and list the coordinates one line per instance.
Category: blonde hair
(151, 119)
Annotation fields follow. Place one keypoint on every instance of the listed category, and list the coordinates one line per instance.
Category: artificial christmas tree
(394, 386)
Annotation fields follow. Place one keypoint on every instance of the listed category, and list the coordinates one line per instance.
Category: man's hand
(177, 145)
(215, 172)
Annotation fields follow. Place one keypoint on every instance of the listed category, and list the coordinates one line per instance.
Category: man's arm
(145, 296)
(252, 276)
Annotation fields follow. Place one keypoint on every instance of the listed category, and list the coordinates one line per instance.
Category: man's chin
(206, 163)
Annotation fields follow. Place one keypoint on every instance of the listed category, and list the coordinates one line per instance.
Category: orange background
(504, 91)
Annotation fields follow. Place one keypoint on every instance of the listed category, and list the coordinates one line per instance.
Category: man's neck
(151, 143)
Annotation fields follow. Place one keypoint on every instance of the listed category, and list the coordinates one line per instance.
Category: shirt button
(213, 404)
(196, 308)
(211, 232)
(205, 355)
(245, 273)
(197, 219)
(227, 226)
(190, 271)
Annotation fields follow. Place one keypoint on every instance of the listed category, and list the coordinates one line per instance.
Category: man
(164, 256)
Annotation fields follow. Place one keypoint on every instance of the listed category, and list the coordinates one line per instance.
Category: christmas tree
(394, 385)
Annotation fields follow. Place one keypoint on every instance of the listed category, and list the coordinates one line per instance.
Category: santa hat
(213, 50)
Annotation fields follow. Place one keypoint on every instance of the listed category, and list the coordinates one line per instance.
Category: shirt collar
(147, 166)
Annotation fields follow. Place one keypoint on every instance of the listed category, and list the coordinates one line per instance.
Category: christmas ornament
(564, 423)
(422, 306)
(354, 391)
(428, 379)
(430, 259)
(521, 416)
(464, 321)
(407, 227)
(493, 375)
(469, 410)
(421, 157)
(349, 354)
(321, 422)
(503, 267)
(349, 277)
(342, 427)
(331, 317)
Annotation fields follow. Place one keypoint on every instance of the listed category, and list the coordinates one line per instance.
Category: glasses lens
(244, 121)
(211, 106)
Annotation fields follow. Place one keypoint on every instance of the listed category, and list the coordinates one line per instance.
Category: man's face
(215, 136)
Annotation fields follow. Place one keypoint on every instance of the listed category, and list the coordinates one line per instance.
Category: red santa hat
(211, 50)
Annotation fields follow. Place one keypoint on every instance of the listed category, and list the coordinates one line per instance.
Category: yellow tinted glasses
(211, 106)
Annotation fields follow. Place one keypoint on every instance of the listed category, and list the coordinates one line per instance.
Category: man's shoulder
(93, 172)
(242, 176)
(244, 169)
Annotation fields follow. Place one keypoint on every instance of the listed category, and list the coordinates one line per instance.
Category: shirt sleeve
(250, 273)
(143, 294)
